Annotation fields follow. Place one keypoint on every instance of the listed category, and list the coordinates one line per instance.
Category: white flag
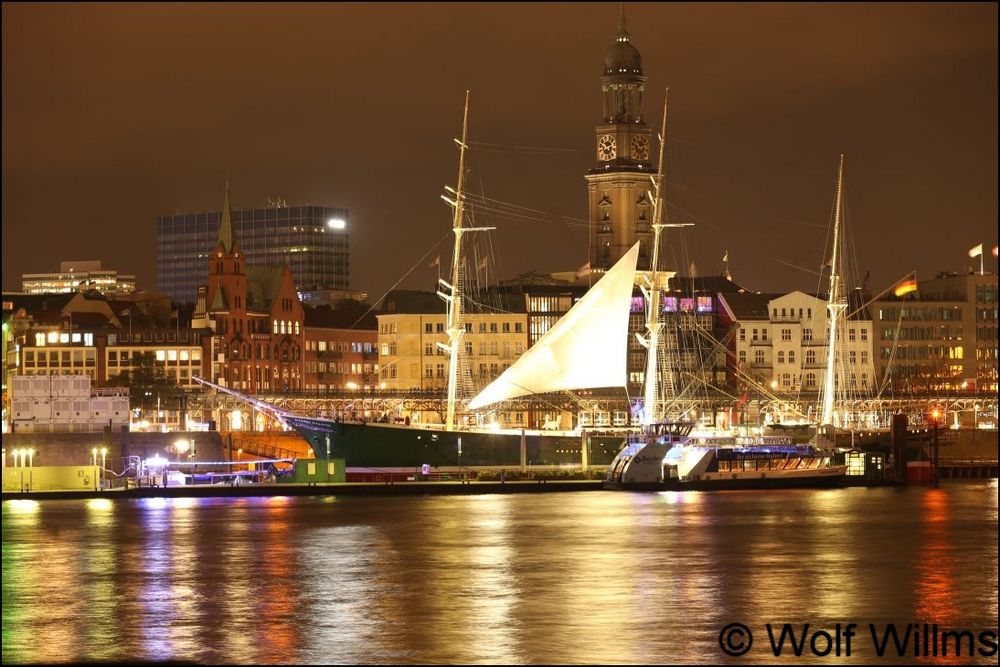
(977, 251)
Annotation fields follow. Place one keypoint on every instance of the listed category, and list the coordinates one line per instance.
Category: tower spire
(622, 30)
(226, 225)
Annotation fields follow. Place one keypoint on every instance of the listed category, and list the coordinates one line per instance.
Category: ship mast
(453, 293)
(651, 292)
(835, 305)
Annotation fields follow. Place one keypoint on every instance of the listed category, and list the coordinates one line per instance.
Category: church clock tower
(621, 212)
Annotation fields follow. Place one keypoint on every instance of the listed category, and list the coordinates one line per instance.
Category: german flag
(905, 287)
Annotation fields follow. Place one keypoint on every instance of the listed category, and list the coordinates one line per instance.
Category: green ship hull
(377, 445)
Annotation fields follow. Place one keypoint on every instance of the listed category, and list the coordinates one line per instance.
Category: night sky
(115, 114)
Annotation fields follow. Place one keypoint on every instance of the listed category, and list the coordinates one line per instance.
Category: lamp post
(936, 421)
(104, 461)
(328, 458)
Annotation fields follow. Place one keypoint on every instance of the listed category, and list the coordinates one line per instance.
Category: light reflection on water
(577, 577)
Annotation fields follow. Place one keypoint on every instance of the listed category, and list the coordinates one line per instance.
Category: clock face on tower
(640, 148)
(606, 147)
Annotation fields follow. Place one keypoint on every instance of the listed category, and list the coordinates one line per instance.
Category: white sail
(583, 350)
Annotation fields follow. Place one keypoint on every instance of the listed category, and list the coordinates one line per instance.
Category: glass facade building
(311, 240)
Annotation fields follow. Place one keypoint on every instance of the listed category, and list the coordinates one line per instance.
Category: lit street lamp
(936, 422)
(104, 461)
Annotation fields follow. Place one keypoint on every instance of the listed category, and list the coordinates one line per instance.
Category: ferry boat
(666, 456)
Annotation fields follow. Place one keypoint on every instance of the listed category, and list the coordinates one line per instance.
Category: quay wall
(972, 444)
(75, 449)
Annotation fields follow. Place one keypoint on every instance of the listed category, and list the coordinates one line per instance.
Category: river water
(583, 577)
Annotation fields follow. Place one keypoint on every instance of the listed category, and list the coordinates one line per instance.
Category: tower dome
(623, 58)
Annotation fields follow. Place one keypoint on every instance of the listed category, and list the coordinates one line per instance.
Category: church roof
(263, 285)
(219, 300)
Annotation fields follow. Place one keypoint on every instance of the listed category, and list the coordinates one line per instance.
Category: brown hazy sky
(114, 114)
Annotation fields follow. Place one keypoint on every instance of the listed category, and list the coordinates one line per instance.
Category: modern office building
(941, 338)
(312, 241)
(77, 277)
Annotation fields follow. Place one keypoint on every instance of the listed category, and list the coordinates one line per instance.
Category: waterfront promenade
(453, 488)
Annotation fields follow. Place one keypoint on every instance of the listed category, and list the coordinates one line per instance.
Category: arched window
(786, 380)
(296, 328)
(283, 330)
(810, 379)
(781, 357)
(275, 327)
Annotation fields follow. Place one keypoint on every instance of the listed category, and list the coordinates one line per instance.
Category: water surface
(586, 577)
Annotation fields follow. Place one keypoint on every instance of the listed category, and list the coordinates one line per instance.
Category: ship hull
(377, 445)
(824, 480)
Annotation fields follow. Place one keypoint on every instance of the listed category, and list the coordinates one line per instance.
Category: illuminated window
(184, 355)
(53, 337)
(275, 329)
(161, 355)
(75, 338)
(171, 355)
(64, 338)
(88, 339)
(40, 339)
(296, 328)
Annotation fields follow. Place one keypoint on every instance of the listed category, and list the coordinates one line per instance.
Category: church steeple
(226, 238)
(620, 209)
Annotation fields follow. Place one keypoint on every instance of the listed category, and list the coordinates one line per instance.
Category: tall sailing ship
(585, 349)
(666, 455)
